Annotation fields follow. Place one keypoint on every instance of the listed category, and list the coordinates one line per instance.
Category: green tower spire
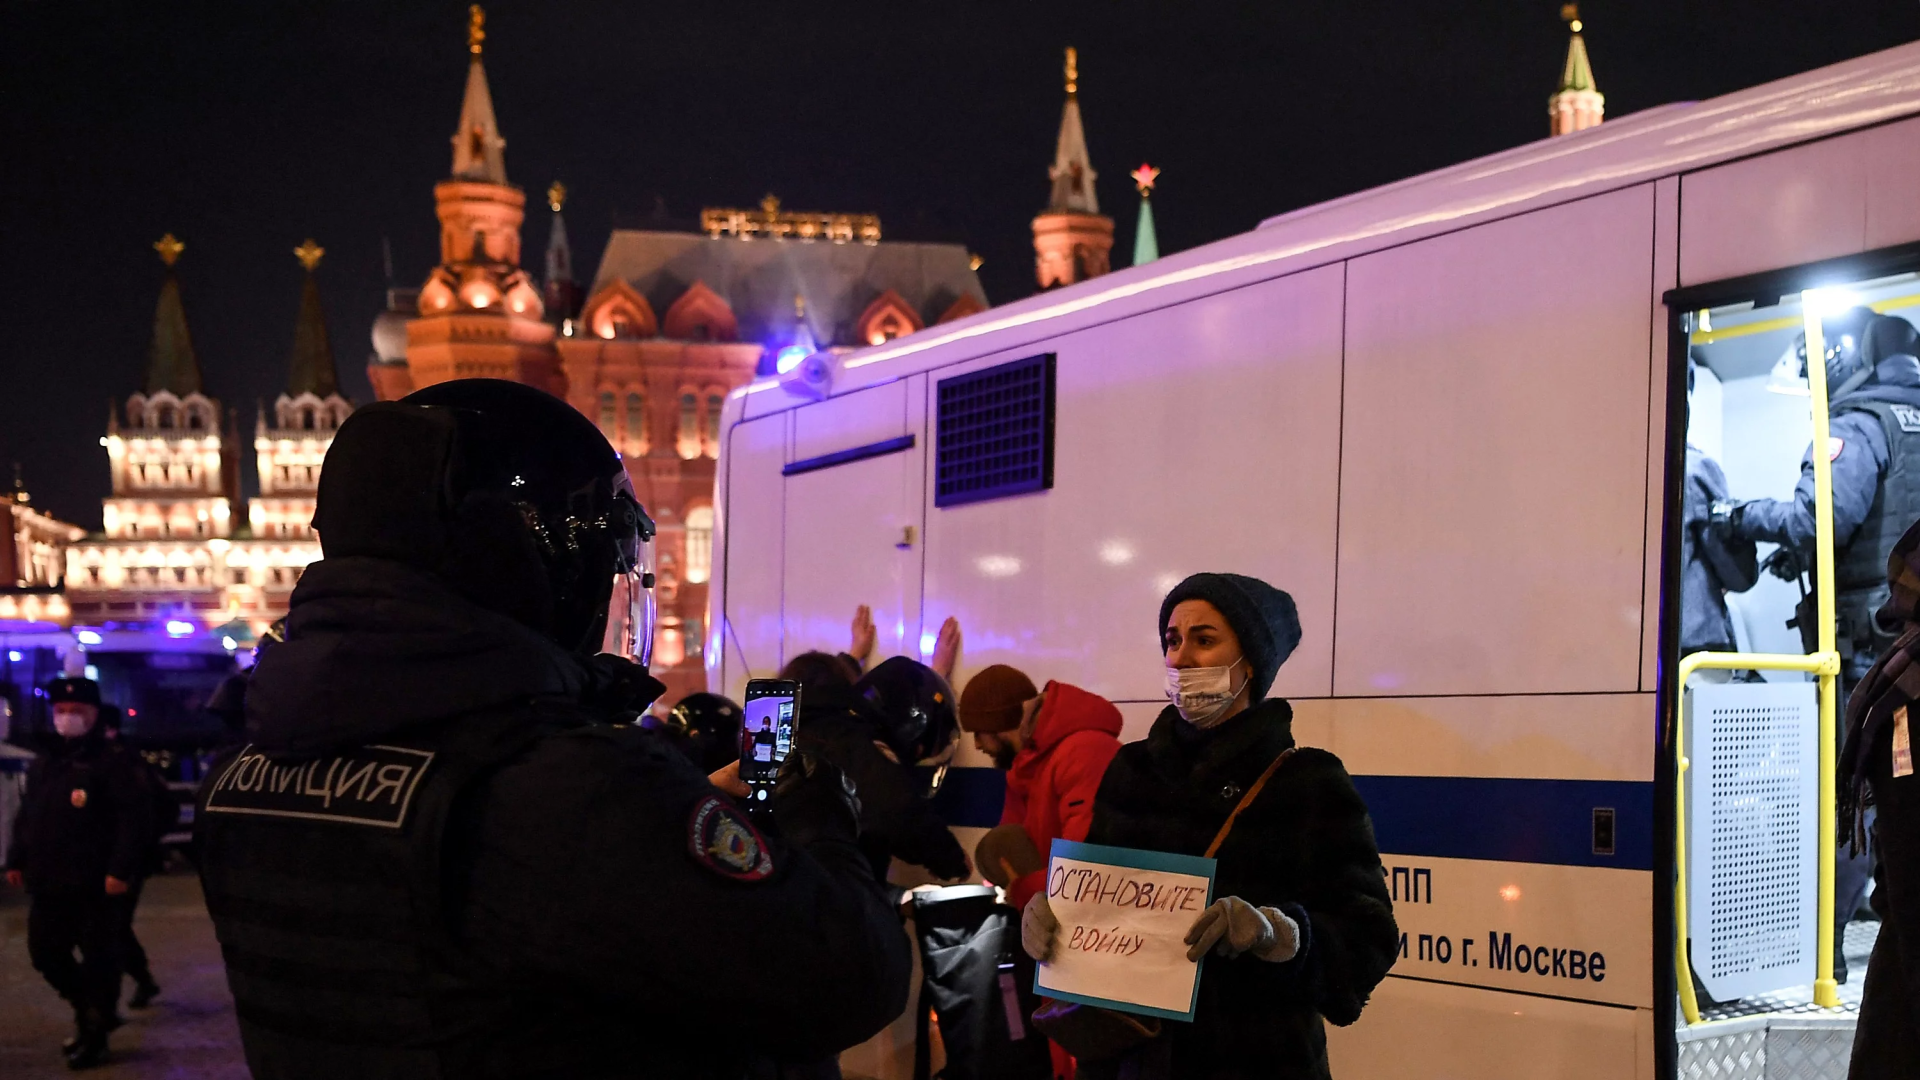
(171, 364)
(1146, 243)
(310, 367)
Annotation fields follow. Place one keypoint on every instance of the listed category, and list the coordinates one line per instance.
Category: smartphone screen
(766, 733)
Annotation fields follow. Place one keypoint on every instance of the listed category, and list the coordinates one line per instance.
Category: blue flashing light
(13, 655)
(179, 628)
(789, 358)
(89, 637)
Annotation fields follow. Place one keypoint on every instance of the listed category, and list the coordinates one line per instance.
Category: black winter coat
(1305, 845)
(87, 816)
(577, 882)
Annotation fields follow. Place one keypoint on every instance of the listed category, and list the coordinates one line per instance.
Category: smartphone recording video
(766, 733)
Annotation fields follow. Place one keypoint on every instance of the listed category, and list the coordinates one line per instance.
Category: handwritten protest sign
(1123, 916)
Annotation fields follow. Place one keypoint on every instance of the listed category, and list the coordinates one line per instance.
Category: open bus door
(1759, 917)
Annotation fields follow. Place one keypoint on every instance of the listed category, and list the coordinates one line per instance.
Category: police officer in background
(448, 852)
(80, 847)
(705, 728)
(894, 732)
(1873, 386)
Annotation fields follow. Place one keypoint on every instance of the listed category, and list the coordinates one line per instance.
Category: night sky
(244, 128)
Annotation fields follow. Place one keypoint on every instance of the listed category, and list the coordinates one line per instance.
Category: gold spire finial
(799, 306)
(169, 248)
(770, 205)
(1571, 13)
(476, 28)
(557, 196)
(309, 254)
(1143, 178)
(1073, 70)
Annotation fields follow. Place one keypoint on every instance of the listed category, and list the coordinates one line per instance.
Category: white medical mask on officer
(1206, 673)
(73, 719)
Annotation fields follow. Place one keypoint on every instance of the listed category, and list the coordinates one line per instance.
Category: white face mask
(72, 723)
(1202, 694)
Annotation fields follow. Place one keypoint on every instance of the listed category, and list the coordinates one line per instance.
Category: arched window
(166, 416)
(714, 403)
(636, 419)
(607, 416)
(699, 544)
(194, 421)
(689, 426)
(306, 419)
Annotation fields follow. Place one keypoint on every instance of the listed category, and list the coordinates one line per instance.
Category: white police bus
(1447, 415)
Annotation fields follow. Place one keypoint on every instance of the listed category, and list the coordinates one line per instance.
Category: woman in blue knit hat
(1302, 929)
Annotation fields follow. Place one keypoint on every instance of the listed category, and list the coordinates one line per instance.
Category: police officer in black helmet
(893, 732)
(446, 850)
(1873, 387)
(706, 728)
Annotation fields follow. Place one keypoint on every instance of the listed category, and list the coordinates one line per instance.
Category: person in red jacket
(1055, 745)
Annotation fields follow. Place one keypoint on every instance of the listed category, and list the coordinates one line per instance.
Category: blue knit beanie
(1263, 618)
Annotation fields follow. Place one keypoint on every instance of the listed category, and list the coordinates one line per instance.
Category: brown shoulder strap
(1246, 801)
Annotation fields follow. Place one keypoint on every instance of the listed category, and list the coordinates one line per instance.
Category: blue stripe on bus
(1453, 817)
(971, 797)
(1505, 820)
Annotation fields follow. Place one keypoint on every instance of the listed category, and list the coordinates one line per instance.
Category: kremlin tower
(1578, 104)
(305, 416)
(172, 556)
(481, 315)
(175, 484)
(1071, 237)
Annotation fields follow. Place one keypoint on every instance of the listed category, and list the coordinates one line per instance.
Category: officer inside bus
(448, 851)
(1713, 563)
(1873, 386)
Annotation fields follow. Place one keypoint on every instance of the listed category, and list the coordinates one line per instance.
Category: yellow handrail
(1823, 662)
(1825, 665)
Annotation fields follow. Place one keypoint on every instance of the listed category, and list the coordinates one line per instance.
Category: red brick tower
(481, 315)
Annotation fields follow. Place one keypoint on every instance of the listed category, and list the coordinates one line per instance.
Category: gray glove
(1231, 926)
(1038, 927)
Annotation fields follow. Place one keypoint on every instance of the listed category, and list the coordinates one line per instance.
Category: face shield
(630, 614)
(932, 770)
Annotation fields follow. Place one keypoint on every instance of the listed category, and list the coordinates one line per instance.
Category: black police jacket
(435, 859)
(1304, 845)
(87, 815)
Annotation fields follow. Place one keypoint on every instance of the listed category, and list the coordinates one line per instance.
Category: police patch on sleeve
(720, 838)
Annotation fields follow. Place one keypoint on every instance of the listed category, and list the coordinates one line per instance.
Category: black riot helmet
(913, 706)
(506, 493)
(706, 728)
(1844, 337)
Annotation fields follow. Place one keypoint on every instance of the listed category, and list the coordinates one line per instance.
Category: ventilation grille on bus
(995, 434)
(1751, 795)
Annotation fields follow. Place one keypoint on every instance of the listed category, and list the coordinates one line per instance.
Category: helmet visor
(630, 615)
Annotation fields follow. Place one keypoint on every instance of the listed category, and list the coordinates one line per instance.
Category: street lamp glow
(88, 637)
(178, 628)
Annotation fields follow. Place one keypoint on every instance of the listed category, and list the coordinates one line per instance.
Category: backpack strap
(1247, 800)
